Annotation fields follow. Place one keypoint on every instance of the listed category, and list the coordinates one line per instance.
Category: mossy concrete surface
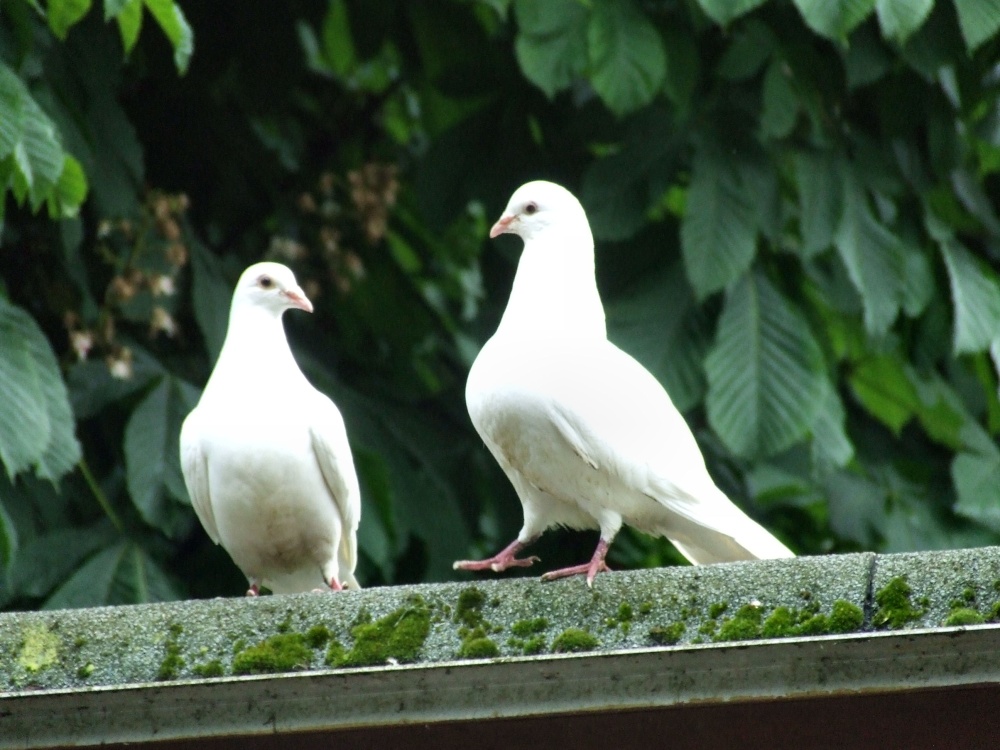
(372, 627)
(497, 618)
(487, 648)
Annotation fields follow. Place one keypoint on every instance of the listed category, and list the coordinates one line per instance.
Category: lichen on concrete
(490, 618)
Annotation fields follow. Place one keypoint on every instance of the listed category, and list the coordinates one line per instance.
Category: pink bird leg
(505, 558)
(592, 568)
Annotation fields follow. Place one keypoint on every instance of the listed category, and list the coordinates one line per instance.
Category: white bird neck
(256, 348)
(555, 291)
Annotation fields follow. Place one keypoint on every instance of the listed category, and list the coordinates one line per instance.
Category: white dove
(265, 455)
(586, 435)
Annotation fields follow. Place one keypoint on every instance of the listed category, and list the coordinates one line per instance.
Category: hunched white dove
(586, 435)
(265, 455)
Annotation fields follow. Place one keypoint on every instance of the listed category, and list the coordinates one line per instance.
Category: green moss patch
(744, 625)
(469, 609)
(963, 616)
(284, 652)
(173, 662)
(895, 606)
(574, 640)
(398, 636)
(525, 628)
(39, 649)
(667, 635)
(317, 636)
(209, 669)
(478, 648)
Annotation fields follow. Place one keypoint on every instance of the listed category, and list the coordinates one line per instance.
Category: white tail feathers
(742, 539)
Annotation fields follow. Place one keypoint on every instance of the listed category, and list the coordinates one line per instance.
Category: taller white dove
(586, 435)
(265, 455)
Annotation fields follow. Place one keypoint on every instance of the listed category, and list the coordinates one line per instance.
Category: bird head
(535, 206)
(272, 287)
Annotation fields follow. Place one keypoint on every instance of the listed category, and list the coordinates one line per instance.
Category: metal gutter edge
(532, 686)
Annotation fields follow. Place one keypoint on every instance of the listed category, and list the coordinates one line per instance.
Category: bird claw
(497, 563)
(254, 589)
(335, 585)
(592, 568)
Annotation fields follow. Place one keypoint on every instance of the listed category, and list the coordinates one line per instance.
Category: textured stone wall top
(497, 619)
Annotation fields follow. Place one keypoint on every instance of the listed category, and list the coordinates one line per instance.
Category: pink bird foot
(592, 568)
(334, 584)
(254, 589)
(506, 558)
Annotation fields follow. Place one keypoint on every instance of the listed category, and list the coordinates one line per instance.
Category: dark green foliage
(795, 215)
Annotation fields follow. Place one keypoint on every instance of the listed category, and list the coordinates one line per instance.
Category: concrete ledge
(166, 671)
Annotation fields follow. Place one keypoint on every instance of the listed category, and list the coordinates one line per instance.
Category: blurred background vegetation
(795, 206)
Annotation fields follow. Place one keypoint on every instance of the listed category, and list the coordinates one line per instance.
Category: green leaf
(38, 155)
(152, 453)
(834, 19)
(170, 18)
(8, 543)
(62, 14)
(781, 105)
(975, 296)
(551, 44)
(70, 191)
(977, 484)
(211, 295)
(752, 45)
(683, 66)
(660, 324)
(129, 19)
(765, 371)
(880, 384)
(36, 423)
(338, 45)
(92, 387)
(628, 64)
(718, 232)
(831, 446)
(113, 7)
(873, 257)
(120, 574)
(919, 288)
(724, 11)
(900, 18)
(979, 21)
(856, 507)
(50, 558)
(820, 199)
(12, 111)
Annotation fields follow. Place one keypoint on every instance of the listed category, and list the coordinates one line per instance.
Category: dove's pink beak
(502, 225)
(299, 299)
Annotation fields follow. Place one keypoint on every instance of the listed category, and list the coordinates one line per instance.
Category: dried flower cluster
(147, 255)
(352, 211)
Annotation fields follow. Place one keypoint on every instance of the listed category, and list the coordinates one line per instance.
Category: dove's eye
(265, 282)
(531, 208)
